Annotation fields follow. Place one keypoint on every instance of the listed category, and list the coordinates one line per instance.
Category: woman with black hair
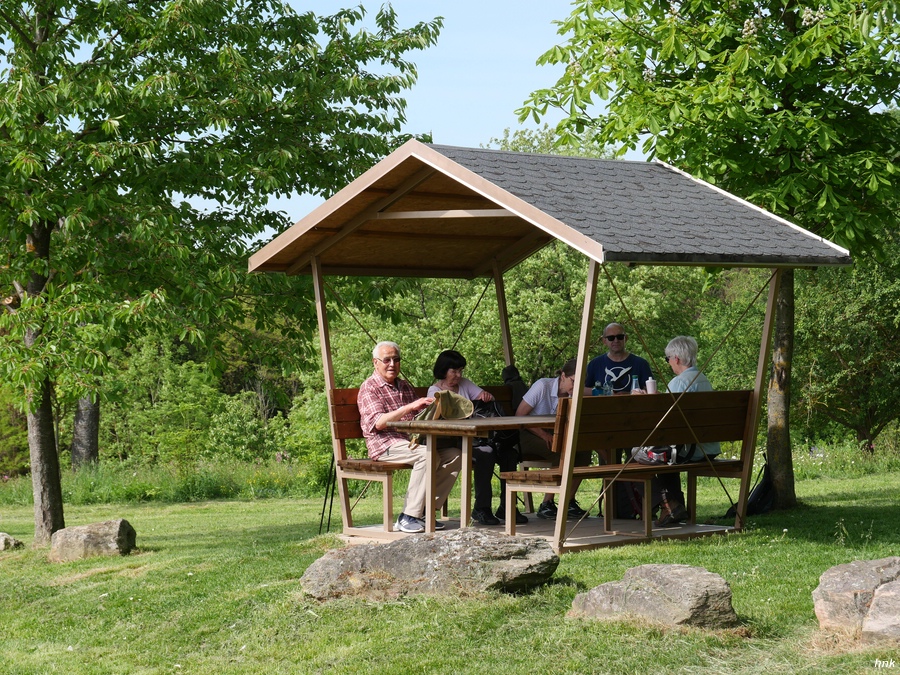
(448, 373)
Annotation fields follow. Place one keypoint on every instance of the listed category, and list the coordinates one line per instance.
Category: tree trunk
(45, 478)
(85, 446)
(778, 437)
(46, 483)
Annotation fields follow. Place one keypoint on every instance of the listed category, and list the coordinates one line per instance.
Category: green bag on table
(447, 405)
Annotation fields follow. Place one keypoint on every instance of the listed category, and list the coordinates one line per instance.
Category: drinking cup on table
(651, 386)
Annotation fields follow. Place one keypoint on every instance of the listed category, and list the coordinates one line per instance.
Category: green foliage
(239, 432)
(734, 296)
(550, 141)
(307, 442)
(13, 436)
(848, 356)
(842, 458)
(141, 144)
(136, 172)
(780, 104)
(160, 409)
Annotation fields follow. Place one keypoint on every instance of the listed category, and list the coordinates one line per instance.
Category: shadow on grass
(830, 524)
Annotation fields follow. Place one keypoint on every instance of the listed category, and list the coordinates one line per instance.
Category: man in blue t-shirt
(618, 365)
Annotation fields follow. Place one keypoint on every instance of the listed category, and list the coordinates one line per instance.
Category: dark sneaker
(484, 517)
(521, 519)
(409, 524)
(576, 511)
(547, 511)
(438, 525)
(671, 513)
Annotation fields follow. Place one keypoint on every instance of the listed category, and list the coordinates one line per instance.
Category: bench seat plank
(543, 476)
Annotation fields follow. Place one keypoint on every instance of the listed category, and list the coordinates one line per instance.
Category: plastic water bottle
(607, 389)
(635, 387)
(597, 390)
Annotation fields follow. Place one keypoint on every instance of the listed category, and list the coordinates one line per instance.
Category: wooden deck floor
(580, 536)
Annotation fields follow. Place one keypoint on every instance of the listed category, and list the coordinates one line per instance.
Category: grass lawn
(214, 588)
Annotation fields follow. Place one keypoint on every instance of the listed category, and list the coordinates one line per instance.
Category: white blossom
(810, 17)
(750, 28)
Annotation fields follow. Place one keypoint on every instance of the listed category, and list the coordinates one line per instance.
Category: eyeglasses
(613, 338)
(458, 371)
(668, 358)
(389, 360)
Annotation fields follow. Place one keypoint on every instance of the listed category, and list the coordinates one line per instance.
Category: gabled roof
(441, 211)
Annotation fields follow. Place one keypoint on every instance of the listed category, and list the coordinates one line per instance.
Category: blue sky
(481, 70)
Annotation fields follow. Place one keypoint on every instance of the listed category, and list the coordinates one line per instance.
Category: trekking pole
(329, 486)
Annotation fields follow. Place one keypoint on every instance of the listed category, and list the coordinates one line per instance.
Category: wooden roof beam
(450, 213)
(355, 223)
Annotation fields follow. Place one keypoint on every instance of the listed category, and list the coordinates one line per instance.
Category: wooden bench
(344, 414)
(612, 422)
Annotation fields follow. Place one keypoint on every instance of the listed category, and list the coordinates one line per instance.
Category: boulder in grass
(861, 596)
(8, 542)
(672, 595)
(882, 623)
(112, 537)
(457, 562)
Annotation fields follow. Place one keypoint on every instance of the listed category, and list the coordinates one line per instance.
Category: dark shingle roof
(440, 211)
(647, 211)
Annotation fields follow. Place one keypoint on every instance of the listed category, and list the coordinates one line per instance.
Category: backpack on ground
(762, 496)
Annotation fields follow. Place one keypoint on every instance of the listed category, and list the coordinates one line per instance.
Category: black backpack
(762, 496)
(504, 443)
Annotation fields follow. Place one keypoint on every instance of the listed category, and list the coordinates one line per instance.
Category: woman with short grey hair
(684, 348)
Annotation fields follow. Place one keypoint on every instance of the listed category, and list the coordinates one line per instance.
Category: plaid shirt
(377, 397)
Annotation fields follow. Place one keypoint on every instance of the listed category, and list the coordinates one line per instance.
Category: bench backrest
(345, 413)
(610, 422)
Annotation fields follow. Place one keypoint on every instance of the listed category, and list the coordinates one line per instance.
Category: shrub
(14, 457)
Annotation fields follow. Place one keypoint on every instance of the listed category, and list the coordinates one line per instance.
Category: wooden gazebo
(439, 211)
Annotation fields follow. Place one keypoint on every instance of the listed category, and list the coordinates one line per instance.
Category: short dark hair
(568, 368)
(446, 360)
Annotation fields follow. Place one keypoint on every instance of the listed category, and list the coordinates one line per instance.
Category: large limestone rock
(8, 542)
(666, 594)
(458, 562)
(863, 596)
(113, 537)
(882, 622)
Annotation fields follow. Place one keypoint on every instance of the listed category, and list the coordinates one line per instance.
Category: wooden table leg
(465, 508)
(430, 480)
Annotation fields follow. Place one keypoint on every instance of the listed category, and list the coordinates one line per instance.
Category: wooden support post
(505, 335)
(568, 463)
(337, 446)
(748, 445)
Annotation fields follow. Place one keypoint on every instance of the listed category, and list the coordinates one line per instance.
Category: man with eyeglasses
(617, 366)
(383, 398)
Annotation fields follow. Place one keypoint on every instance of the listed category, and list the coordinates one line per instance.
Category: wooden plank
(447, 213)
(345, 413)
(345, 430)
(723, 467)
(627, 438)
(372, 466)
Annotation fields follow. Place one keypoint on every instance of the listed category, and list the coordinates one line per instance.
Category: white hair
(685, 348)
(384, 343)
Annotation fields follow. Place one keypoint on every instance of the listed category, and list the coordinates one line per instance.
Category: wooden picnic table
(468, 429)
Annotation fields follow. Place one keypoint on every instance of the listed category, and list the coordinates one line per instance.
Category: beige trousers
(448, 466)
